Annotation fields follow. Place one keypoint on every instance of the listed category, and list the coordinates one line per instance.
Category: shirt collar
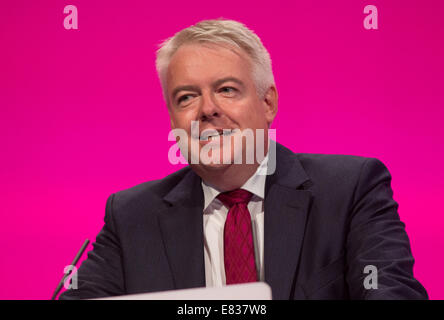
(255, 184)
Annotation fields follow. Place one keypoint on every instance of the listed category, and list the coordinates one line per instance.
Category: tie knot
(237, 196)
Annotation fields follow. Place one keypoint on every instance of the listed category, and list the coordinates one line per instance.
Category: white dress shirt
(215, 214)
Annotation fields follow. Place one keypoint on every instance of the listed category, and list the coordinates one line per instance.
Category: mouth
(213, 134)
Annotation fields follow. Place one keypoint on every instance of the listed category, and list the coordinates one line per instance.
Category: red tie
(239, 260)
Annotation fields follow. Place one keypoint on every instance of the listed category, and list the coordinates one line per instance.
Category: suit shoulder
(330, 159)
(151, 190)
(336, 166)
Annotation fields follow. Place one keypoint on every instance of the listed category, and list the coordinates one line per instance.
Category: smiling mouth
(209, 135)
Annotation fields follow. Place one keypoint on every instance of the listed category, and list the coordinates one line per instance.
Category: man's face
(213, 85)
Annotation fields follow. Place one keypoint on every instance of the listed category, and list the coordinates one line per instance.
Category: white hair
(220, 31)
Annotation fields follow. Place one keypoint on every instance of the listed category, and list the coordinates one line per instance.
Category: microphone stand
(66, 275)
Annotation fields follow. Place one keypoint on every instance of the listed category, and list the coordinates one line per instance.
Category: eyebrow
(227, 79)
(184, 88)
(215, 84)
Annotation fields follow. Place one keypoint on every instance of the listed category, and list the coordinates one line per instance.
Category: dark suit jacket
(326, 218)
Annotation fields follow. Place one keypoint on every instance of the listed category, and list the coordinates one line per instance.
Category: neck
(227, 178)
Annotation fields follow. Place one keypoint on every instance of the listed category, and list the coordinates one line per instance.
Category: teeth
(214, 135)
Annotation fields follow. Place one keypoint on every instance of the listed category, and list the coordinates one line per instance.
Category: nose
(209, 108)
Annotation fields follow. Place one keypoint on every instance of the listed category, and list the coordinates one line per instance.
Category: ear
(172, 123)
(271, 104)
(173, 126)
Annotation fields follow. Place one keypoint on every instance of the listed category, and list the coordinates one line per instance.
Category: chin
(215, 166)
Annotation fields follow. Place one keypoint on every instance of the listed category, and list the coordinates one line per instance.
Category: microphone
(66, 275)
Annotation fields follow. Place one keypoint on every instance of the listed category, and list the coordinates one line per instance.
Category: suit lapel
(286, 210)
(182, 231)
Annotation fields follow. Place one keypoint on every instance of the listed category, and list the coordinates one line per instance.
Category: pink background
(82, 114)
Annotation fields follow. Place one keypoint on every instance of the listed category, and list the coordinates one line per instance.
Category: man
(311, 227)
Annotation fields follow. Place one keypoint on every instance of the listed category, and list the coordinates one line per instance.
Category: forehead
(194, 63)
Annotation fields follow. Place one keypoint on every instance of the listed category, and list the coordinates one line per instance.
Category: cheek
(242, 110)
(182, 119)
(252, 117)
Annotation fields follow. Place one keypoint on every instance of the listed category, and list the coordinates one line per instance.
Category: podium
(247, 291)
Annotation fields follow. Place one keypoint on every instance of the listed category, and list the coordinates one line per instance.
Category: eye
(184, 98)
(228, 90)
